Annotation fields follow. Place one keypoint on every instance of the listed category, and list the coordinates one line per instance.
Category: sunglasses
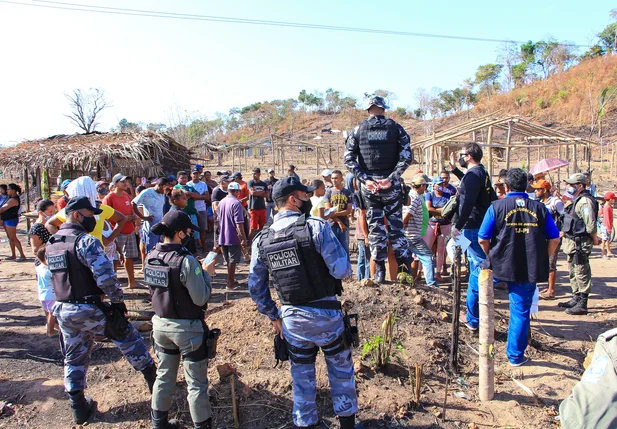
(463, 154)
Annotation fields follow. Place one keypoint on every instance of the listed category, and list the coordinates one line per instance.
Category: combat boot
(81, 406)
(380, 272)
(581, 306)
(206, 424)
(575, 298)
(159, 420)
(349, 422)
(149, 374)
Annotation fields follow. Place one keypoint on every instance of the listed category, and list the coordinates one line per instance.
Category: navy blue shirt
(488, 224)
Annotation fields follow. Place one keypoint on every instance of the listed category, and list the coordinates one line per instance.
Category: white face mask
(571, 190)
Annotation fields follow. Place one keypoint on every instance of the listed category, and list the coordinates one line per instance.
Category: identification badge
(157, 277)
(283, 259)
(58, 262)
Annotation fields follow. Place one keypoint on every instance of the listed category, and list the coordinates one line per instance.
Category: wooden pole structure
(456, 308)
(486, 389)
(528, 157)
(508, 148)
(233, 160)
(588, 149)
(490, 151)
(27, 183)
(574, 158)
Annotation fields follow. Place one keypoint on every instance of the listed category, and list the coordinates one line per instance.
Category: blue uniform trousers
(521, 297)
(306, 328)
(342, 237)
(475, 256)
(79, 324)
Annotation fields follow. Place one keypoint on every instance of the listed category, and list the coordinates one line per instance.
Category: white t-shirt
(43, 281)
(318, 203)
(201, 188)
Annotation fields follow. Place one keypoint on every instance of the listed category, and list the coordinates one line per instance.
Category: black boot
(380, 271)
(206, 424)
(149, 373)
(581, 306)
(159, 420)
(81, 406)
(348, 422)
(575, 298)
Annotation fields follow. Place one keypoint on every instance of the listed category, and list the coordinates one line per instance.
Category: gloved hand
(119, 306)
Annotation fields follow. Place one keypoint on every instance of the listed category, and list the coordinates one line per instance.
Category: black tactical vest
(572, 225)
(71, 279)
(378, 143)
(170, 298)
(297, 272)
(519, 247)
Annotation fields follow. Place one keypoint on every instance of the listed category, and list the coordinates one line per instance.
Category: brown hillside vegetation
(571, 98)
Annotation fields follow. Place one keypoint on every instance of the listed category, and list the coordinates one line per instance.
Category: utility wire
(172, 15)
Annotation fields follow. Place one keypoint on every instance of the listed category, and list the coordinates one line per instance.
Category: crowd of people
(296, 235)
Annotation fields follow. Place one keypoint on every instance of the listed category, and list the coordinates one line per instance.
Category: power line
(184, 16)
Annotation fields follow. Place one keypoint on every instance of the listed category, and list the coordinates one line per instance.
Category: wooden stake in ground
(234, 402)
(487, 335)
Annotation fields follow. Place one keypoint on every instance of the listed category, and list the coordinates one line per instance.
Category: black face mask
(186, 239)
(103, 191)
(306, 207)
(88, 223)
(462, 162)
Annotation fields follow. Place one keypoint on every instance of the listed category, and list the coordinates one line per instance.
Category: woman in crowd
(9, 213)
(38, 233)
(439, 228)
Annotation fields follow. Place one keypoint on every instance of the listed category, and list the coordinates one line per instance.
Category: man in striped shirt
(412, 219)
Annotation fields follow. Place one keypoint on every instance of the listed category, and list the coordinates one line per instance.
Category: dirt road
(31, 364)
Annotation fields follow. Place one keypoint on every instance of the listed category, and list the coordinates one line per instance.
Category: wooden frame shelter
(500, 137)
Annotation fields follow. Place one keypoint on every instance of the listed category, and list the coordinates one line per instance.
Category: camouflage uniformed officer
(579, 236)
(180, 289)
(303, 260)
(81, 275)
(377, 152)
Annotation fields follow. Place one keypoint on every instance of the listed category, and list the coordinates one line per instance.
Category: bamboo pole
(233, 160)
(490, 151)
(486, 388)
(574, 158)
(27, 183)
(508, 148)
(528, 157)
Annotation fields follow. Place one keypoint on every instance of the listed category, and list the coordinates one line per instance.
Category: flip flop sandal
(545, 295)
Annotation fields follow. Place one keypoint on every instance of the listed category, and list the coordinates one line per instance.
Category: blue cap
(198, 166)
(65, 184)
(172, 177)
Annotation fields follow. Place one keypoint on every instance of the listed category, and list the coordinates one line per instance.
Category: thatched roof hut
(99, 154)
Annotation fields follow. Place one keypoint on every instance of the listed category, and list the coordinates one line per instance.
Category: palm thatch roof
(85, 152)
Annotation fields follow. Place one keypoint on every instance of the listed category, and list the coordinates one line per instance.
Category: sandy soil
(31, 364)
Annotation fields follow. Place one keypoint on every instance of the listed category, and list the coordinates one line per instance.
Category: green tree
(487, 77)
(125, 126)
(400, 111)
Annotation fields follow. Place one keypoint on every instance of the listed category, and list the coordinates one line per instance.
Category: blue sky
(150, 67)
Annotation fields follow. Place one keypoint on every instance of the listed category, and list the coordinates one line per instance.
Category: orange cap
(542, 184)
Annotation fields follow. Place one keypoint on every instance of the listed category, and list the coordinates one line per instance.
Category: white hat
(271, 170)
(233, 186)
(326, 173)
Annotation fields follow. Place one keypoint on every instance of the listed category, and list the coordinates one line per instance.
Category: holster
(207, 350)
(580, 257)
(281, 353)
(351, 334)
(116, 324)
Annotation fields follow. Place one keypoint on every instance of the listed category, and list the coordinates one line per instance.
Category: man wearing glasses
(475, 195)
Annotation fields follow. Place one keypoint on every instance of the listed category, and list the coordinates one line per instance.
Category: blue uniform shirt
(325, 244)
(488, 224)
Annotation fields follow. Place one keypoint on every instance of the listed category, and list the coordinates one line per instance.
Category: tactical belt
(86, 300)
(309, 355)
(326, 305)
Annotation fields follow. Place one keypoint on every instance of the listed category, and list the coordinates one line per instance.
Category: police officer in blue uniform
(518, 234)
(81, 275)
(377, 152)
(303, 260)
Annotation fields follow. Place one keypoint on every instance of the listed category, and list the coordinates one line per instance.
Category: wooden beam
(508, 141)
(490, 152)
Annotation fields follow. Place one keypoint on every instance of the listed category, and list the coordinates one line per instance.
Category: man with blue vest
(518, 235)
(301, 257)
(377, 152)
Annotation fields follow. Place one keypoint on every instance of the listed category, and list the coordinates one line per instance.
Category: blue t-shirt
(488, 224)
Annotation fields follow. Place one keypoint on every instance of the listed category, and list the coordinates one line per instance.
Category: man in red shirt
(244, 190)
(126, 243)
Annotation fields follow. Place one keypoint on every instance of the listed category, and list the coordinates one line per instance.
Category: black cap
(177, 220)
(287, 185)
(236, 175)
(78, 203)
(256, 170)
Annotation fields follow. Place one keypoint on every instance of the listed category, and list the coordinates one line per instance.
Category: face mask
(186, 239)
(103, 191)
(462, 162)
(571, 190)
(438, 188)
(306, 207)
(89, 223)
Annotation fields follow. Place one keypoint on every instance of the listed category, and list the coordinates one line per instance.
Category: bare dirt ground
(31, 364)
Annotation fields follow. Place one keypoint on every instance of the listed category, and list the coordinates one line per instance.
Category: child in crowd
(607, 225)
(317, 198)
(46, 291)
(179, 200)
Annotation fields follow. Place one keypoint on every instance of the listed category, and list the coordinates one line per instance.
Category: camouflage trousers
(307, 328)
(385, 204)
(79, 324)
